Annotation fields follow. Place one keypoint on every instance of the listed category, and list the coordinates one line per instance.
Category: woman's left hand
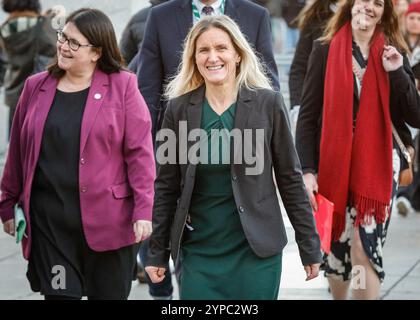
(312, 271)
(391, 59)
(142, 230)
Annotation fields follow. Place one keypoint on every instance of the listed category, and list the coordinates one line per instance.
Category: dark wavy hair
(317, 12)
(99, 31)
(21, 5)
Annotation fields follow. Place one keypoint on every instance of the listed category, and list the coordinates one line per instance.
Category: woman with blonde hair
(358, 94)
(220, 218)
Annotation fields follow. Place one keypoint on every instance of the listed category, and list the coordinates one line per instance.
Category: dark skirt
(61, 262)
(72, 269)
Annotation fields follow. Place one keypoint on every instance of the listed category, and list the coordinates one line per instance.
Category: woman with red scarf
(359, 84)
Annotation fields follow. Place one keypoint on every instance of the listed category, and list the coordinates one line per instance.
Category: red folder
(324, 219)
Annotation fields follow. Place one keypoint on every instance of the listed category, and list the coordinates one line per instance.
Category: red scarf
(356, 169)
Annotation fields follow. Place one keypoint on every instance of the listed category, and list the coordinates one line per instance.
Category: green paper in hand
(20, 224)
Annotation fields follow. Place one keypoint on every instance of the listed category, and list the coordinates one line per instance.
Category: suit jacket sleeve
(134, 63)
(308, 124)
(167, 192)
(265, 47)
(288, 175)
(149, 72)
(403, 87)
(128, 44)
(299, 65)
(12, 181)
(138, 152)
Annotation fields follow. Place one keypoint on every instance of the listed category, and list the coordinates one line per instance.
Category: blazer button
(82, 161)
(234, 178)
(84, 189)
(241, 209)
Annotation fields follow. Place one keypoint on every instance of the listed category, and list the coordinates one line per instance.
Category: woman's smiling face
(75, 60)
(216, 57)
(368, 13)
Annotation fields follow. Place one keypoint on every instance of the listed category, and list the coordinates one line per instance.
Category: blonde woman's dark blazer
(256, 198)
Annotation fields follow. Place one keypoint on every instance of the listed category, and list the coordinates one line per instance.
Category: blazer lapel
(195, 108)
(243, 111)
(43, 105)
(184, 17)
(243, 108)
(96, 96)
(194, 114)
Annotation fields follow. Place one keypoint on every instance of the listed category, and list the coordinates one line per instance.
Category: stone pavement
(401, 252)
(401, 263)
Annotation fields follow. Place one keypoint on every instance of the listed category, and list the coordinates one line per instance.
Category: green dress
(217, 261)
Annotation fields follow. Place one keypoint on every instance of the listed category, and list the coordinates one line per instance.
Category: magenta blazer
(116, 168)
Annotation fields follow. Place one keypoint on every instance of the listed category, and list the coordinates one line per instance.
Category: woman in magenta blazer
(81, 166)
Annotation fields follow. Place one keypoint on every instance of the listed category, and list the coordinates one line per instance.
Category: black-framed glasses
(73, 44)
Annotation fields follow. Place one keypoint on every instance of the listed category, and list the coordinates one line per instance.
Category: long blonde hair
(250, 73)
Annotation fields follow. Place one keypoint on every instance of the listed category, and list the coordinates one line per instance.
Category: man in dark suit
(166, 29)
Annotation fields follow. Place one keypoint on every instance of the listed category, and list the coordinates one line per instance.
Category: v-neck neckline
(219, 115)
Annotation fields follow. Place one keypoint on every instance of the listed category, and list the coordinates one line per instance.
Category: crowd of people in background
(85, 118)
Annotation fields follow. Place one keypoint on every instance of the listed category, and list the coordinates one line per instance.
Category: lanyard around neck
(197, 14)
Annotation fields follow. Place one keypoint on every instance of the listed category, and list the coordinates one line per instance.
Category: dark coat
(133, 33)
(166, 28)
(20, 49)
(290, 9)
(404, 106)
(312, 31)
(255, 195)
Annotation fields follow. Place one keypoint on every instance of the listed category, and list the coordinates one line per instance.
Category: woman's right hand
(9, 227)
(156, 274)
(312, 188)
